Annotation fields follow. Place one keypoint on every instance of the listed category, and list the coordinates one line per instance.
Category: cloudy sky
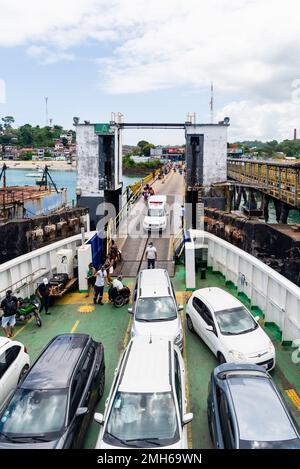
(153, 60)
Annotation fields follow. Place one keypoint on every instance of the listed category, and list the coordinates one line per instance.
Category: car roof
(157, 199)
(147, 366)
(154, 282)
(260, 413)
(54, 367)
(218, 298)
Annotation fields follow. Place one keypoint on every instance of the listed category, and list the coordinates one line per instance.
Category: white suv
(146, 407)
(228, 328)
(155, 311)
(14, 363)
(156, 218)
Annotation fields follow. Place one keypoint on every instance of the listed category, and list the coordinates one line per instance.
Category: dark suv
(245, 410)
(53, 404)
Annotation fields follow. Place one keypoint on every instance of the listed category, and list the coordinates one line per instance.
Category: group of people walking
(147, 191)
(97, 279)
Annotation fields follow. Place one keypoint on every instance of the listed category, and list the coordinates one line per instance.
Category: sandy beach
(52, 164)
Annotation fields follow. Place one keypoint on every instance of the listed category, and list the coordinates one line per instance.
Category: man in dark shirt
(44, 293)
(9, 306)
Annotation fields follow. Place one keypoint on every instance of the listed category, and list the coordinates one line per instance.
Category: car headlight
(236, 355)
(271, 348)
(178, 338)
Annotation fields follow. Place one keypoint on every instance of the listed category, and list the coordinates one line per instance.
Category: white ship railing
(275, 295)
(23, 273)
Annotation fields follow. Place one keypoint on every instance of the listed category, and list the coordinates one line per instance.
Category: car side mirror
(180, 307)
(130, 310)
(99, 418)
(187, 418)
(81, 411)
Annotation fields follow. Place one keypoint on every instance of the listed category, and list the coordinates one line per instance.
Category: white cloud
(261, 121)
(48, 57)
(249, 48)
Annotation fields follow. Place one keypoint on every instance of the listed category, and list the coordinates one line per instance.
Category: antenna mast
(47, 120)
(211, 103)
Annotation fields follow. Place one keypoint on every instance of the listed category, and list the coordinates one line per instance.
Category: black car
(245, 410)
(53, 404)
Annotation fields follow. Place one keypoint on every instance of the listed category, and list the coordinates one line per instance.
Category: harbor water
(67, 179)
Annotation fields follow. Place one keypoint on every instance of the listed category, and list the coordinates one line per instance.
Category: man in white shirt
(121, 289)
(117, 283)
(151, 256)
(99, 285)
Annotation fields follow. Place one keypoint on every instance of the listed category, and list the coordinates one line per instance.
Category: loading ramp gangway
(128, 232)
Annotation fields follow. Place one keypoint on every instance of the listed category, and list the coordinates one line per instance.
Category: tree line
(28, 135)
(271, 148)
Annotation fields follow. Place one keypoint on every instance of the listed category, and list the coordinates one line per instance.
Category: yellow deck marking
(82, 299)
(74, 327)
(294, 397)
(22, 328)
(86, 309)
(187, 389)
(127, 334)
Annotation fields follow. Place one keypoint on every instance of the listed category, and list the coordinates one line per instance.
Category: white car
(14, 363)
(228, 328)
(155, 310)
(156, 218)
(146, 407)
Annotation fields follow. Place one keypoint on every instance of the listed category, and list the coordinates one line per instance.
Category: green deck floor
(109, 325)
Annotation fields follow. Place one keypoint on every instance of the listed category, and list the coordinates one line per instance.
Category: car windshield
(142, 419)
(235, 321)
(34, 412)
(155, 212)
(155, 309)
(281, 444)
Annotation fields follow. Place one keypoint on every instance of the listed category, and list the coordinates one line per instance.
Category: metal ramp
(133, 253)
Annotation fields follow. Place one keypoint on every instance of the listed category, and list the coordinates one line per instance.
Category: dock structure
(278, 180)
(18, 202)
(133, 240)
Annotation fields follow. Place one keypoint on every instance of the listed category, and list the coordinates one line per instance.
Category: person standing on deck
(151, 256)
(99, 285)
(91, 278)
(9, 306)
(43, 292)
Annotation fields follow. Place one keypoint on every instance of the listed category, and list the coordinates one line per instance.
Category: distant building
(68, 136)
(40, 153)
(167, 152)
(233, 151)
(10, 152)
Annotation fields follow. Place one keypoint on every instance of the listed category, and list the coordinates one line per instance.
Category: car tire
(190, 324)
(23, 372)
(101, 385)
(119, 301)
(221, 358)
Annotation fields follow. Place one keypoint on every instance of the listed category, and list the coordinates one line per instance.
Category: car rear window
(260, 414)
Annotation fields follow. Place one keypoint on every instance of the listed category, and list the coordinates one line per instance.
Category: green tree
(8, 121)
(64, 141)
(26, 156)
(25, 135)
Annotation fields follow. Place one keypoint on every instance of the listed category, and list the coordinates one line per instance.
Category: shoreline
(35, 165)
